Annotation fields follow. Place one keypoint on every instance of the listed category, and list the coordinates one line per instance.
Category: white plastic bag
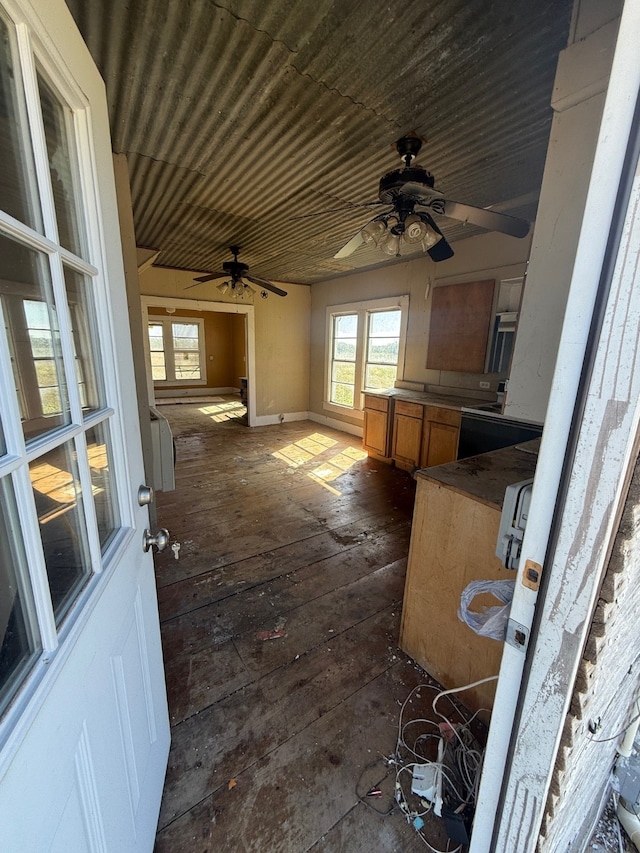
(490, 621)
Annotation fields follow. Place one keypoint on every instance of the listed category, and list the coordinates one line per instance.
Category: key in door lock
(160, 539)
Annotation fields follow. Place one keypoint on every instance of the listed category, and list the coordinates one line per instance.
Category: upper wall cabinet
(460, 325)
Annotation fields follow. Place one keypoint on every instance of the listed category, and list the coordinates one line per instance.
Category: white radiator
(162, 444)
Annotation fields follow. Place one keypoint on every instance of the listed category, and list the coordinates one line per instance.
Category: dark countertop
(484, 478)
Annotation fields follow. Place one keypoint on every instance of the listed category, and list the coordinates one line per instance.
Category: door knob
(160, 539)
(145, 495)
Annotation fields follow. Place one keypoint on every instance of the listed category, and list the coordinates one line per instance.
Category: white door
(84, 732)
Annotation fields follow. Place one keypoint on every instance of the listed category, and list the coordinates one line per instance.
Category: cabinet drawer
(411, 410)
(440, 415)
(378, 404)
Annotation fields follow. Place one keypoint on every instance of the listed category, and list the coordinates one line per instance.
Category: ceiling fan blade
(211, 275)
(489, 219)
(266, 284)
(441, 251)
(349, 248)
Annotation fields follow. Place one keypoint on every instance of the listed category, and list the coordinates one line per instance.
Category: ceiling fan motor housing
(236, 269)
(392, 183)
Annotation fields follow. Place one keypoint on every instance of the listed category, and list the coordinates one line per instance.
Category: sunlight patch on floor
(307, 449)
(224, 411)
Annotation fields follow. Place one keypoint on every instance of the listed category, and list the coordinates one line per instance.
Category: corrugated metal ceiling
(239, 118)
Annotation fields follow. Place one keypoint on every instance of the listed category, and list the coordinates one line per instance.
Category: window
(177, 350)
(60, 510)
(366, 349)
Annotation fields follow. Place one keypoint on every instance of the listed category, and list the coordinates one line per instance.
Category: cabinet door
(376, 432)
(407, 437)
(442, 445)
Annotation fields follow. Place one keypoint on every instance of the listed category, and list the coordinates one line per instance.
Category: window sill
(344, 411)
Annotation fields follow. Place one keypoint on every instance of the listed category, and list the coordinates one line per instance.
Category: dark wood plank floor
(287, 529)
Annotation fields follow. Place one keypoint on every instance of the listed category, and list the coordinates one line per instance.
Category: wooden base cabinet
(376, 435)
(440, 433)
(453, 539)
(407, 434)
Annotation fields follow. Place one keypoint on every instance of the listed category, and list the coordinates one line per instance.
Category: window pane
(187, 365)
(156, 339)
(34, 339)
(345, 326)
(56, 488)
(85, 339)
(379, 377)
(3, 446)
(104, 495)
(385, 323)
(18, 628)
(343, 395)
(156, 345)
(344, 372)
(344, 349)
(58, 131)
(17, 178)
(383, 350)
(185, 335)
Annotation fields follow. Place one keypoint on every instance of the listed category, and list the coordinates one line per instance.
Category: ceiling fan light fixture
(223, 287)
(390, 245)
(373, 232)
(415, 228)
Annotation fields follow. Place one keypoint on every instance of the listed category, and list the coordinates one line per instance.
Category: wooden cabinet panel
(442, 444)
(453, 539)
(376, 432)
(440, 436)
(407, 439)
(441, 415)
(379, 404)
(411, 410)
(376, 435)
(459, 326)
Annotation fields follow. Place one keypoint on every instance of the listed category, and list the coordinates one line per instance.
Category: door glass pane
(63, 167)
(56, 487)
(85, 340)
(104, 496)
(34, 338)
(18, 631)
(18, 195)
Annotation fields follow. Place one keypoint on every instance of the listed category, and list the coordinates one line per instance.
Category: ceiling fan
(411, 197)
(235, 271)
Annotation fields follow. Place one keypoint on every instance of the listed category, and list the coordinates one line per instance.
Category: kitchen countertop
(428, 398)
(485, 477)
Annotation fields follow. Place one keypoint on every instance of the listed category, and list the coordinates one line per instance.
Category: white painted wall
(578, 100)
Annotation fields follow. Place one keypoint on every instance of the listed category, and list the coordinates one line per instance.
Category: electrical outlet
(485, 385)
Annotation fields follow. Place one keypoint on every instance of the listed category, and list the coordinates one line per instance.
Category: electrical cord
(619, 734)
(457, 768)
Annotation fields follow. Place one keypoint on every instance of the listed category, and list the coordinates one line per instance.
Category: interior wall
(481, 257)
(578, 100)
(281, 338)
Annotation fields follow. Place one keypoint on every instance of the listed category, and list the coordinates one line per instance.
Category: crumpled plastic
(489, 621)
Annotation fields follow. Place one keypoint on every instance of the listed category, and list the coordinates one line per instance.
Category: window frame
(34, 59)
(167, 333)
(363, 310)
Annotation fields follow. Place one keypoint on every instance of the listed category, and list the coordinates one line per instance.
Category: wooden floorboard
(287, 529)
